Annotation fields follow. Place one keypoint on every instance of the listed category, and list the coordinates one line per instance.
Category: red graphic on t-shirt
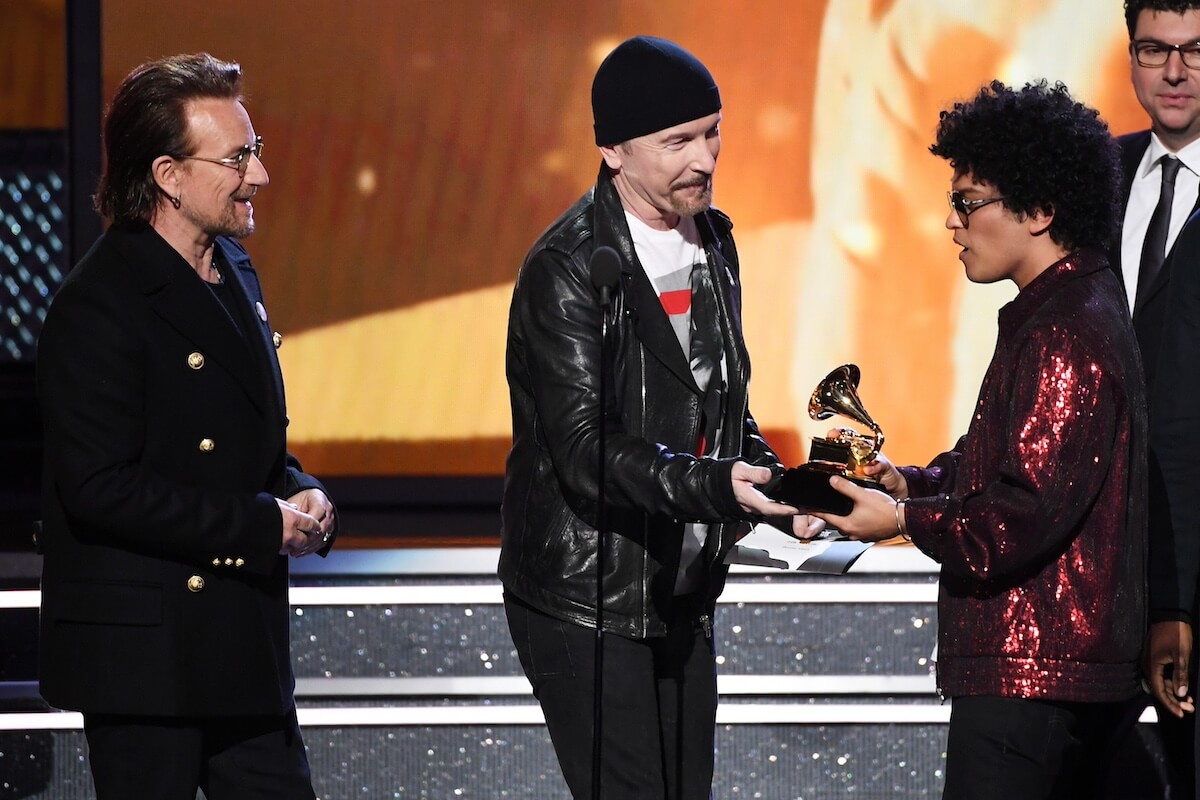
(676, 302)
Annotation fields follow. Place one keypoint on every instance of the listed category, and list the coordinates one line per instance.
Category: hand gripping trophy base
(807, 488)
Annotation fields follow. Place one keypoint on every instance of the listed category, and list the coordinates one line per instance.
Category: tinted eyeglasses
(240, 162)
(965, 208)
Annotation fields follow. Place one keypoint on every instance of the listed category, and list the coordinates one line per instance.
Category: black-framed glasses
(240, 162)
(965, 208)
(1153, 53)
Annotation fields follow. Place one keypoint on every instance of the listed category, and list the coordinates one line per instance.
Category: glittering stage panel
(408, 687)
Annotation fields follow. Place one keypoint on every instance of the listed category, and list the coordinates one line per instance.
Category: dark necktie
(705, 352)
(1154, 247)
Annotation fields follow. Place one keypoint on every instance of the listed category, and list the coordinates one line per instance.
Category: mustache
(701, 181)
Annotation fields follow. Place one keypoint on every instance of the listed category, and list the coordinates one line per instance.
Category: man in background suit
(1161, 186)
(1165, 71)
(166, 535)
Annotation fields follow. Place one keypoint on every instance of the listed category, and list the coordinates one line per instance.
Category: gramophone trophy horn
(837, 395)
(807, 487)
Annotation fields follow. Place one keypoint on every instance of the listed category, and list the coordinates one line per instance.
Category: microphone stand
(604, 267)
(601, 550)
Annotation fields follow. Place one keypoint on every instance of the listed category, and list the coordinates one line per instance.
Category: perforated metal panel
(33, 235)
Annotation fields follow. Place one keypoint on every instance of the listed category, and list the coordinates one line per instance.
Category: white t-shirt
(668, 258)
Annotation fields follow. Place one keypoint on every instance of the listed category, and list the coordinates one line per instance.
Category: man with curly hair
(1037, 514)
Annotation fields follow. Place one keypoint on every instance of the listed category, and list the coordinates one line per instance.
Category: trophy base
(807, 488)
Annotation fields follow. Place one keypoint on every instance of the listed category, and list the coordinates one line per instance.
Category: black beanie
(647, 84)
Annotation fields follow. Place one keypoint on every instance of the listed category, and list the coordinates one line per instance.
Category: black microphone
(605, 268)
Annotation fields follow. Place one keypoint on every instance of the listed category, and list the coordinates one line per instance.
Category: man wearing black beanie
(684, 466)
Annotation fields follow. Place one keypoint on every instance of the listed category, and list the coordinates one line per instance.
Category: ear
(166, 172)
(1039, 221)
(611, 156)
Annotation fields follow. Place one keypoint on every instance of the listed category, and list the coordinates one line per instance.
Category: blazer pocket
(109, 603)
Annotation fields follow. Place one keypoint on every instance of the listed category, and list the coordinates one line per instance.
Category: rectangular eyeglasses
(1153, 53)
(240, 162)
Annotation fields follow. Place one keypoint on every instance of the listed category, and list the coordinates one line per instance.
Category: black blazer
(1148, 315)
(163, 591)
(1166, 324)
(1175, 438)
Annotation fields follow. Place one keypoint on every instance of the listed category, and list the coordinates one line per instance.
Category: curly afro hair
(1135, 7)
(1042, 150)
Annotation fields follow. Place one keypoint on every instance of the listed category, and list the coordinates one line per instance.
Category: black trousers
(164, 758)
(1175, 737)
(1000, 748)
(1179, 743)
(659, 704)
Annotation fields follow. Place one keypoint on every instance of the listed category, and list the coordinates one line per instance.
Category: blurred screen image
(416, 150)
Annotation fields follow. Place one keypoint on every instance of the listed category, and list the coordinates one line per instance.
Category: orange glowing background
(416, 149)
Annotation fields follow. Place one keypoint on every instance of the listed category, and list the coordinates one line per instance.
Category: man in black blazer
(1148, 304)
(1165, 73)
(171, 503)
(1166, 81)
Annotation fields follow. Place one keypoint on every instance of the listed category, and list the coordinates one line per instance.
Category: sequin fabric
(1038, 515)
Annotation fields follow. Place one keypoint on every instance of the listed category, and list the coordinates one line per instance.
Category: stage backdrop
(417, 148)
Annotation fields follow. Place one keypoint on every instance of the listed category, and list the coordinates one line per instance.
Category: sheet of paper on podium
(769, 547)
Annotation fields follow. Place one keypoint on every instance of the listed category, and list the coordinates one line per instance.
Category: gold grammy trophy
(807, 486)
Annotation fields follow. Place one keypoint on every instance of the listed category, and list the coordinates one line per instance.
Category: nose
(256, 172)
(1175, 71)
(704, 154)
(953, 222)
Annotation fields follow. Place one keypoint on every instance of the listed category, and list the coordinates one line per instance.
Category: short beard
(227, 224)
(692, 205)
(235, 228)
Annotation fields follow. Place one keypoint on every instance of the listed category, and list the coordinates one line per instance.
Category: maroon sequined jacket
(1038, 515)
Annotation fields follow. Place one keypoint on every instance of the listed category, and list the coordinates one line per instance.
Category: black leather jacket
(653, 483)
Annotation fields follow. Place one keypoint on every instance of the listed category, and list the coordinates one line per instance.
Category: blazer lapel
(245, 283)
(178, 295)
